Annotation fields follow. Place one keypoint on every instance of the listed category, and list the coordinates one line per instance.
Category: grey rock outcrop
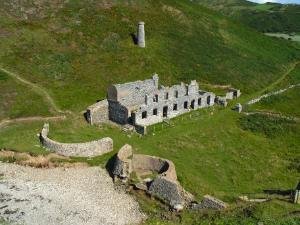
(88, 149)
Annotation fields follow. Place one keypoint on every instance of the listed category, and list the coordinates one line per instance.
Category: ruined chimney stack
(141, 35)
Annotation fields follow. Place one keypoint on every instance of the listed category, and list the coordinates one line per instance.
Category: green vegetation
(267, 18)
(83, 47)
(213, 153)
(286, 103)
(17, 100)
(74, 52)
(268, 125)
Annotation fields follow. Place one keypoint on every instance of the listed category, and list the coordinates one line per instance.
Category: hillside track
(291, 69)
(38, 89)
(5, 122)
(260, 95)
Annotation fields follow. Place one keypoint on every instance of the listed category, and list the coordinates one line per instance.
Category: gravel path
(83, 196)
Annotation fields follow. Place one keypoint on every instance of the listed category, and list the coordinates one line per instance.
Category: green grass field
(17, 100)
(267, 18)
(216, 151)
(83, 47)
(76, 54)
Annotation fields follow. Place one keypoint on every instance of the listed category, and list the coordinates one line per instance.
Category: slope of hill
(76, 49)
(268, 17)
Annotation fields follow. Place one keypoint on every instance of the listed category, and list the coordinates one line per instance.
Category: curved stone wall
(164, 185)
(161, 166)
(88, 149)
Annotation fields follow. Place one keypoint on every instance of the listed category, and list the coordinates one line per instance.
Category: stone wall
(118, 113)
(210, 202)
(163, 167)
(167, 190)
(88, 149)
(98, 113)
(143, 103)
(169, 102)
(123, 165)
(164, 185)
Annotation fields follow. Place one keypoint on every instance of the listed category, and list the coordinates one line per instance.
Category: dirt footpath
(66, 196)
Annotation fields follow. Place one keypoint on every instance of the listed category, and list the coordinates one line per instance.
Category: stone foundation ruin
(88, 149)
(232, 93)
(157, 176)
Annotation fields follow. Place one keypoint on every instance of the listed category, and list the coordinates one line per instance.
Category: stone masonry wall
(88, 149)
(171, 102)
(98, 113)
(164, 186)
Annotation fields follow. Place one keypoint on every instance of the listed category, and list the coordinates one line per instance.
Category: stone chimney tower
(141, 35)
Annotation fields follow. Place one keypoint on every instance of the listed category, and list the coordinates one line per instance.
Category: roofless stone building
(143, 103)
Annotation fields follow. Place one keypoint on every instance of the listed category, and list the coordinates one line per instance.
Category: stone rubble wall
(98, 113)
(88, 149)
(210, 202)
(168, 97)
(123, 162)
(167, 190)
(272, 93)
(163, 167)
(165, 186)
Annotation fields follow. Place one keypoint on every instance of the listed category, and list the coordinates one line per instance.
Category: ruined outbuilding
(156, 176)
(143, 103)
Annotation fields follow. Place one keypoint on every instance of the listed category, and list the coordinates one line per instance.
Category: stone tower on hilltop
(141, 35)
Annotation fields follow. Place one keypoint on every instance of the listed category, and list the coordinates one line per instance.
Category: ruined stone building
(143, 103)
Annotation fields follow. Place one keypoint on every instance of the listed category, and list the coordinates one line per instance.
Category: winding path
(39, 90)
(271, 86)
(280, 91)
(5, 122)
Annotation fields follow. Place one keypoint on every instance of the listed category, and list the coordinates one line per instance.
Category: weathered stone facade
(98, 113)
(143, 103)
(164, 185)
(88, 149)
(141, 35)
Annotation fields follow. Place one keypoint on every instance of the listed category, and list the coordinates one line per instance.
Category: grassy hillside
(268, 17)
(17, 100)
(75, 50)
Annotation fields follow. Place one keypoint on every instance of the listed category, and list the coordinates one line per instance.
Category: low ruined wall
(168, 190)
(163, 167)
(123, 164)
(210, 202)
(165, 185)
(88, 149)
(98, 113)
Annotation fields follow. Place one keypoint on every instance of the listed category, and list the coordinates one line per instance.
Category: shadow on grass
(279, 192)
(134, 38)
